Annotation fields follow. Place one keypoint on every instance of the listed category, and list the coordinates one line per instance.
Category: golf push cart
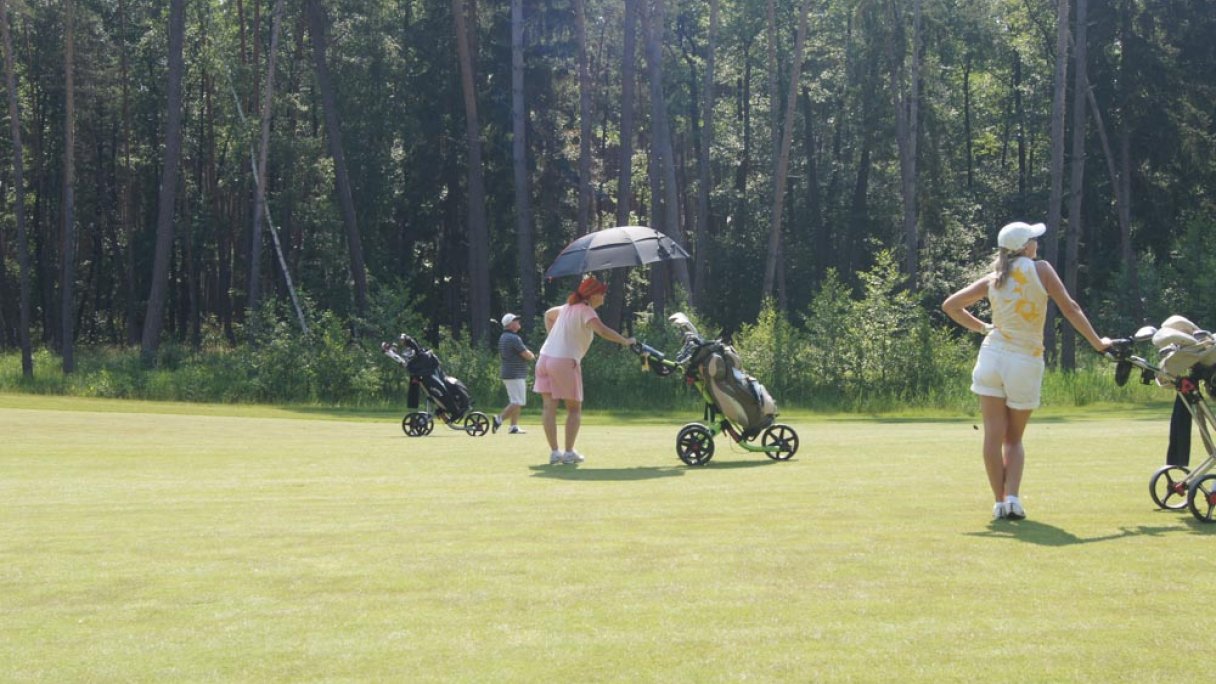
(448, 396)
(1186, 359)
(735, 403)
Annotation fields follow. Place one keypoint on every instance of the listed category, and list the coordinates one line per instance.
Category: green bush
(876, 351)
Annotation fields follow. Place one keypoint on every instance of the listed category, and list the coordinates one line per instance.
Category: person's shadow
(581, 473)
(1043, 534)
(574, 473)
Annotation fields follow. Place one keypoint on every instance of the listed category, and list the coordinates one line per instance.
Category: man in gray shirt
(514, 356)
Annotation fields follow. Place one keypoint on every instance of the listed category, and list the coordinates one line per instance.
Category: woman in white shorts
(1008, 374)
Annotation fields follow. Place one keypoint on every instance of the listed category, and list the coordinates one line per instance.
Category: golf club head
(1144, 334)
(680, 320)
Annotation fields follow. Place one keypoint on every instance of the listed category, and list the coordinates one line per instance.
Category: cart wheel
(1202, 499)
(477, 424)
(784, 438)
(416, 424)
(1168, 487)
(430, 424)
(695, 444)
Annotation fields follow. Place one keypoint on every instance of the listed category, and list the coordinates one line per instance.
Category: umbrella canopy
(615, 248)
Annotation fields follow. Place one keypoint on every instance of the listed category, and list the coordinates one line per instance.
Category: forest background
(237, 200)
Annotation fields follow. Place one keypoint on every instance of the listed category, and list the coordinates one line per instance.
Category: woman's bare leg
(996, 418)
(574, 419)
(1013, 454)
(549, 419)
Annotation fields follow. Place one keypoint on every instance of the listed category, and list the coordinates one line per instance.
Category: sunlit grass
(152, 542)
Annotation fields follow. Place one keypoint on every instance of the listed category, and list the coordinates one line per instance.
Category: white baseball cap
(507, 319)
(1014, 236)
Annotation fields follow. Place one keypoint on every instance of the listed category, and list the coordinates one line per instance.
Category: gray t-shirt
(513, 366)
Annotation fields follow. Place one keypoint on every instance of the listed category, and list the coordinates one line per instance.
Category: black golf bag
(451, 397)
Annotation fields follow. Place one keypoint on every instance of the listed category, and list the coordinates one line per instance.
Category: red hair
(586, 289)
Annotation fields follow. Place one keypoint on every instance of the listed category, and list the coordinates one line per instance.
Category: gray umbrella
(615, 248)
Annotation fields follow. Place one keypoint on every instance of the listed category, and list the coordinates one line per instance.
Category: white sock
(1010, 498)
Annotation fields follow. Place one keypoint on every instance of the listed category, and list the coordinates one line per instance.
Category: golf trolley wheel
(1168, 487)
(1202, 499)
(417, 424)
(784, 438)
(695, 444)
(477, 424)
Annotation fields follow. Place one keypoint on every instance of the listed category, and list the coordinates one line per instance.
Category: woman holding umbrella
(559, 372)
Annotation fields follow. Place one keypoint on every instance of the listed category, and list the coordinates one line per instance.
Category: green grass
(149, 542)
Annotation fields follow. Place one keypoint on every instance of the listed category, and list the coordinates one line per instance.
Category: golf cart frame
(1176, 487)
(695, 441)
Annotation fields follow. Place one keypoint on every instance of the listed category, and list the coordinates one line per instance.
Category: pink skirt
(559, 378)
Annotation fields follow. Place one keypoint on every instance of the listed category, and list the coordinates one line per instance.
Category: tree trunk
(701, 251)
(525, 257)
(774, 97)
(1119, 170)
(68, 281)
(615, 306)
(1076, 188)
(154, 318)
(260, 180)
(907, 128)
(663, 146)
(1050, 241)
(23, 249)
(478, 238)
(1124, 193)
(1020, 112)
(967, 119)
(329, 102)
(817, 233)
(126, 213)
(783, 156)
(585, 120)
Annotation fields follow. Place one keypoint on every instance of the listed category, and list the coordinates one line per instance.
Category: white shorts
(517, 391)
(1011, 375)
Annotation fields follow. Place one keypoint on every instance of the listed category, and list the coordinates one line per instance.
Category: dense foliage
(850, 317)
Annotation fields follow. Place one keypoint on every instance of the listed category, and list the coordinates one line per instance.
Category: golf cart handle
(643, 349)
(1118, 350)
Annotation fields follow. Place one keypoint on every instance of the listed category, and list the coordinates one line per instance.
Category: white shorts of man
(517, 399)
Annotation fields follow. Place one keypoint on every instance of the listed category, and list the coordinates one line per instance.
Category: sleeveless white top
(1019, 310)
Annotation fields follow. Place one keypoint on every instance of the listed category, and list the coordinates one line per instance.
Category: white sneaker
(1014, 510)
(555, 457)
(1000, 511)
(516, 430)
(572, 457)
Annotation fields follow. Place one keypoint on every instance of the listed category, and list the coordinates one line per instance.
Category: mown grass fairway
(178, 547)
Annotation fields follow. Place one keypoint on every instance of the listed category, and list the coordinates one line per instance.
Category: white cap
(507, 319)
(1015, 235)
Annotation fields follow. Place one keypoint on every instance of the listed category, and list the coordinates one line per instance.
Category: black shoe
(497, 423)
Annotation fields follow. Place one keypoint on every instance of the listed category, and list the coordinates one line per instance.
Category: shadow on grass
(583, 473)
(1043, 534)
(576, 473)
(733, 465)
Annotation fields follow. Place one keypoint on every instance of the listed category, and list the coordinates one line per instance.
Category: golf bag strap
(412, 399)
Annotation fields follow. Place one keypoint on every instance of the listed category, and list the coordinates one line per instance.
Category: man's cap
(507, 319)
(1014, 236)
